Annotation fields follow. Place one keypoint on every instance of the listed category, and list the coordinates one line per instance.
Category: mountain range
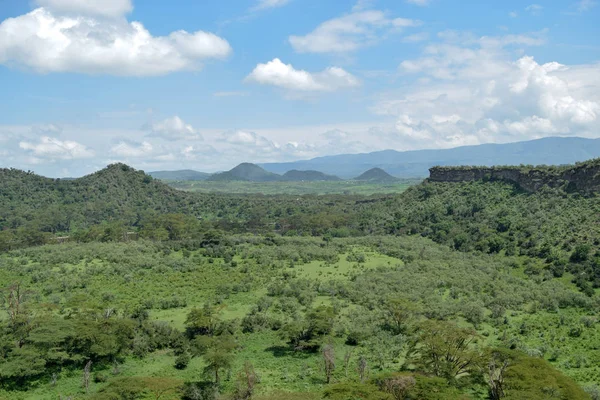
(416, 164)
(404, 164)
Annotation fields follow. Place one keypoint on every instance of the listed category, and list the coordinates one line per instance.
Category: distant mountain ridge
(416, 163)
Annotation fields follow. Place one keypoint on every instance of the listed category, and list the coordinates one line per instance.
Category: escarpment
(581, 177)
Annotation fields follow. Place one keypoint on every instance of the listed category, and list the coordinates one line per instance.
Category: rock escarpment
(581, 177)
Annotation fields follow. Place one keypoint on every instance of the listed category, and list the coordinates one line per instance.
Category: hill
(375, 175)
(407, 164)
(310, 176)
(246, 172)
(117, 192)
(180, 175)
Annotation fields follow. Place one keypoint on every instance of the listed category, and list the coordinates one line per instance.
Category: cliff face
(583, 177)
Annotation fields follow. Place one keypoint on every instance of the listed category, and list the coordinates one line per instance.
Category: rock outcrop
(581, 177)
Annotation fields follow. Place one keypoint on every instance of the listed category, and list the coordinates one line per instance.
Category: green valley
(117, 286)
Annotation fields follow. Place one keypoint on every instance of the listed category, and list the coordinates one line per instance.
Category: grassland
(350, 275)
(294, 188)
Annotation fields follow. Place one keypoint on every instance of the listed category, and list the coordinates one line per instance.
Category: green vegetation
(246, 172)
(295, 175)
(375, 175)
(294, 187)
(115, 286)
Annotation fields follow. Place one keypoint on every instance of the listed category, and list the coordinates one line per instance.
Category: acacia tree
(202, 321)
(217, 352)
(444, 349)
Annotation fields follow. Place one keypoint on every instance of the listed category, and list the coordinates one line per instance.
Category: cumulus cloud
(276, 73)
(46, 41)
(471, 91)
(129, 149)
(173, 129)
(49, 148)
(106, 8)
(349, 32)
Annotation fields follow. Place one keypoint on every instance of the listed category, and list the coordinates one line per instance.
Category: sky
(206, 85)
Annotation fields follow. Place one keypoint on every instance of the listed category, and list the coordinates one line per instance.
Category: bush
(182, 361)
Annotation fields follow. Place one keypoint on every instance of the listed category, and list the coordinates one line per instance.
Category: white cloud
(534, 9)
(173, 128)
(363, 5)
(421, 3)
(470, 91)
(585, 5)
(132, 149)
(106, 8)
(276, 73)
(513, 14)
(47, 42)
(54, 149)
(349, 32)
(231, 94)
(265, 4)
(417, 37)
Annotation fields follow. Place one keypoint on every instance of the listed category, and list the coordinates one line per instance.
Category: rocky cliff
(582, 177)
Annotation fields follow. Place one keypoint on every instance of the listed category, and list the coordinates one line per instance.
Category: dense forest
(117, 286)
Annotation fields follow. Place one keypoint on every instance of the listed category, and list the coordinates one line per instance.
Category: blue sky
(207, 84)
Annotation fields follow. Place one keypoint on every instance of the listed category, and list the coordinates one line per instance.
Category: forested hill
(116, 192)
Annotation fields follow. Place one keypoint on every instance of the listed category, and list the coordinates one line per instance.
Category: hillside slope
(115, 192)
(309, 176)
(549, 151)
(246, 172)
(375, 175)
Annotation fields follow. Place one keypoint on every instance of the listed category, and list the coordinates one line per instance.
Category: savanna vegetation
(115, 286)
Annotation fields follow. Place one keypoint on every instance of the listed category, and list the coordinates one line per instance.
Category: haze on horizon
(206, 85)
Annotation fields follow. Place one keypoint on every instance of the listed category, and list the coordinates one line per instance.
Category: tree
(217, 352)
(533, 378)
(217, 359)
(201, 321)
(444, 349)
(398, 386)
(496, 373)
(328, 353)
(306, 334)
(400, 313)
(246, 382)
(20, 319)
(86, 376)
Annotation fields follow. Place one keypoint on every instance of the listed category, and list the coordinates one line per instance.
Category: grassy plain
(294, 188)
